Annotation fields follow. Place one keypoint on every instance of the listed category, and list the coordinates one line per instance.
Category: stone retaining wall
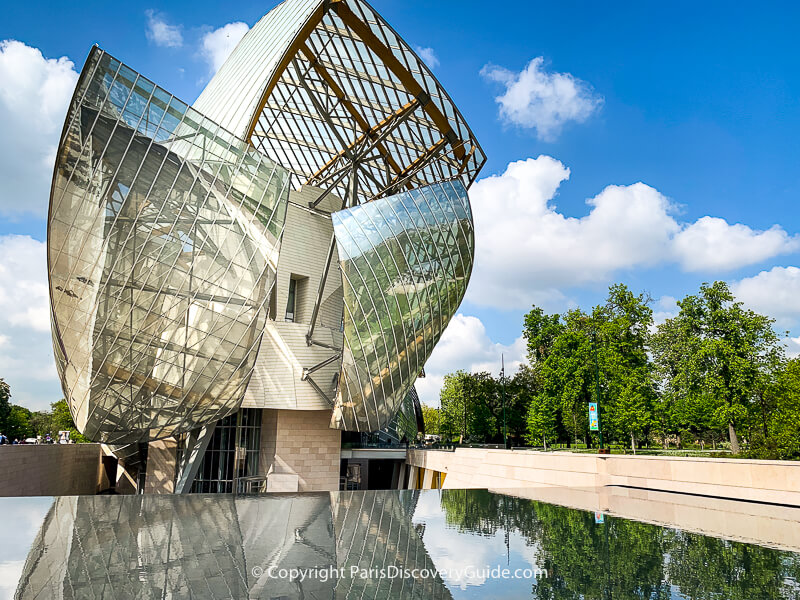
(49, 469)
(754, 480)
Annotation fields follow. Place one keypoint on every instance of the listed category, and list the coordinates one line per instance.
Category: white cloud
(476, 556)
(542, 101)
(466, 345)
(711, 244)
(161, 33)
(528, 252)
(217, 45)
(34, 96)
(666, 308)
(26, 351)
(774, 293)
(792, 345)
(428, 56)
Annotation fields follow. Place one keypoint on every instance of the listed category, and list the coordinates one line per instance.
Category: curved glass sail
(163, 237)
(314, 83)
(405, 261)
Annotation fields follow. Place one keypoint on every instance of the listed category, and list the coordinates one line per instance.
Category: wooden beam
(363, 31)
(345, 102)
(371, 134)
(418, 163)
(299, 39)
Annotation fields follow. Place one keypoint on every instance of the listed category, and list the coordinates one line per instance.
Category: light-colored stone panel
(49, 469)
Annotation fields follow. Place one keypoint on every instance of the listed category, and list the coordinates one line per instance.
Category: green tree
(520, 391)
(542, 421)
(431, 417)
(781, 437)
(18, 425)
(42, 423)
(714, 358)
(563, 350)
(622, 325)
(540, 331)
(5, 404)
(62, 421)
(469, 404)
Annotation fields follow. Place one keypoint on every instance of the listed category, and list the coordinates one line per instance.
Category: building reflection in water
(220, 546)
(224, 546)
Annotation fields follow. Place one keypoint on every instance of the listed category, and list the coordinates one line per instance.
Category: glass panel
(162, 256)
(405, 261)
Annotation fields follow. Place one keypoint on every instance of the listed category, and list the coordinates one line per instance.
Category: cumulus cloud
(792, 345)
(161, 33)
(428, 56)
(217, 45)
(542, 101)
(34, 96)
(26, 352)
(477, 554)
(466, 345)
(711, 244)
(666, 308)
(528, 252)
(774, 293)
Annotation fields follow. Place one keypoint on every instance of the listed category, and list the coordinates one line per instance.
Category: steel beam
(196, 443)
(321, 290)
(319, 365)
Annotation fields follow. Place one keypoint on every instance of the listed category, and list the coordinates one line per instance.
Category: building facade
(235, 283)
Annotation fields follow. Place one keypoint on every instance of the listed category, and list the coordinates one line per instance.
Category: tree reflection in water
(621, 559)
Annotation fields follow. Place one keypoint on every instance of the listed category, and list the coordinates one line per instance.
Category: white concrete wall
(757, 480)
(284, 353)
(49, 469)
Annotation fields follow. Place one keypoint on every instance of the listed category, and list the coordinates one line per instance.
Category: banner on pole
(594, 421)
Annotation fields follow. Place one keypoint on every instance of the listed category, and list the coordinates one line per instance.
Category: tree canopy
(714, 373)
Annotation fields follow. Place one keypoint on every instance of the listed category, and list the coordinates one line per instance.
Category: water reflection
(378, 544)
(618, 558)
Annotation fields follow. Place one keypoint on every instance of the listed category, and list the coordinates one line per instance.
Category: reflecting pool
(376, 544)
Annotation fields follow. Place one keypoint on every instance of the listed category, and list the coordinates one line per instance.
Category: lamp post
(597, 387)
(503, 388)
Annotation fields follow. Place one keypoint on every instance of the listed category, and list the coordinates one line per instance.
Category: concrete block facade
(301, 443)
(49, 469)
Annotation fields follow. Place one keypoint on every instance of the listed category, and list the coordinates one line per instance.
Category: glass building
(236, 282)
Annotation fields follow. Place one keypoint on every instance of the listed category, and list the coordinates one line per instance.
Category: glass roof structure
(166, 223)
(329, 90)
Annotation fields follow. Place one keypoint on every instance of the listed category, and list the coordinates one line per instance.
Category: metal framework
(347, 91)
(162, 269)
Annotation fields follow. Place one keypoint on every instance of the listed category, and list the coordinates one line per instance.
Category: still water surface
(377, 544)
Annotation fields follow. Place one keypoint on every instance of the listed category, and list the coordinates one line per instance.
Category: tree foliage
(431, 417)
(714, 359)
(714, 373)
(569, 351)
(20, 423)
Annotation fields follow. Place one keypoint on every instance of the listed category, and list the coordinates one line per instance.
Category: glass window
(290, 303)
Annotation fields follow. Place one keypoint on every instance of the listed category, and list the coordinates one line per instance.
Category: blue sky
(679, 122)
